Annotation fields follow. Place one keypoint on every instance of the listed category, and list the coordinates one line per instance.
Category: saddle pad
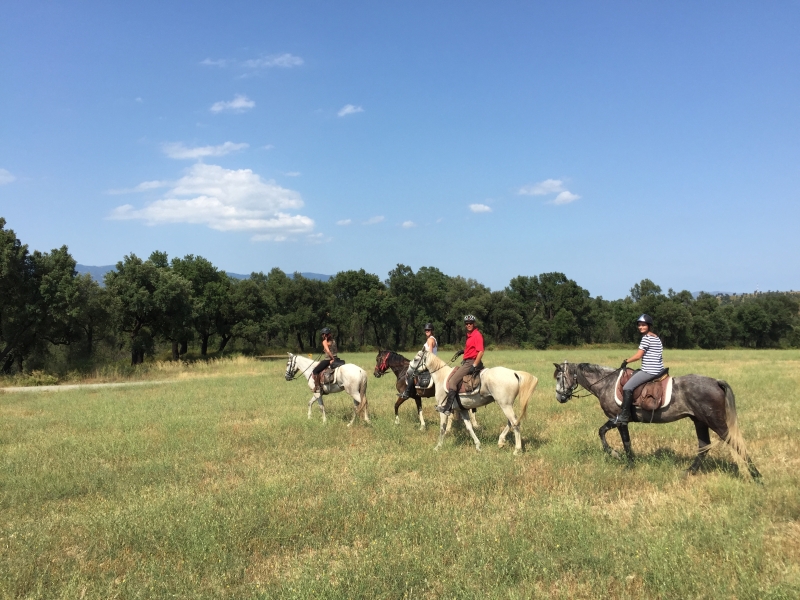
(424, 381)
(328, 376)
(665, 383)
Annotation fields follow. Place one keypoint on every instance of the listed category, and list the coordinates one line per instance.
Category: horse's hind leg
(508, 411)
(703, 446)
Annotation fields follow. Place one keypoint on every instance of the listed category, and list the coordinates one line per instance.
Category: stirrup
(623, 418)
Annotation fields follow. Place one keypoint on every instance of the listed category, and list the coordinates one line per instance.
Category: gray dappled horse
(708, 402)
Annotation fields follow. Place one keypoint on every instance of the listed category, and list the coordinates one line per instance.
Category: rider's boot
(625, 414)
(406, 393)
(317, 383)
(449, 402)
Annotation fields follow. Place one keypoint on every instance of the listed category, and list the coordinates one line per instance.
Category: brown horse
(708, 402)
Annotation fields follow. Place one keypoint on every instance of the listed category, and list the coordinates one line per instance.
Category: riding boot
(449, 402)
(406, 393)
(317, 383)
(625, 414)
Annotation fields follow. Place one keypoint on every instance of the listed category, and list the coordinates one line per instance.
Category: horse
(708, 402)
(348, 377)
(399, 364)
(498, 384)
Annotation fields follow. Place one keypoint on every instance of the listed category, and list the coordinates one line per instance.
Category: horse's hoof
(517, 452)
(614, 454)
(422, 427)
(501, 444)
(397, 420)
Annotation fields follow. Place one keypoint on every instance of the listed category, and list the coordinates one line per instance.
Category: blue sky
(611, 141)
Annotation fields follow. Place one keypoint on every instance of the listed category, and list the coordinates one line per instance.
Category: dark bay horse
(387, 359)
(708, 402)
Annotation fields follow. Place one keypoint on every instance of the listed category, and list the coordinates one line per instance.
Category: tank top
(435, 345)
(332, 347)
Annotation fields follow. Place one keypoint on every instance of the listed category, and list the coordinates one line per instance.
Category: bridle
(384, 364)
(570, 392)
(292, 370)
(415, 371)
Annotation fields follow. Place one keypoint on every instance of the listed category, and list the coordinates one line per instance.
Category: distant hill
(98, 273)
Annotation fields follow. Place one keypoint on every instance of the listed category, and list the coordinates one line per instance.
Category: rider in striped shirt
(650, 351)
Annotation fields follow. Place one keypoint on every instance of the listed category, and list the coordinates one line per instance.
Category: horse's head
(291, 368)
(381, 362)
(566, 376)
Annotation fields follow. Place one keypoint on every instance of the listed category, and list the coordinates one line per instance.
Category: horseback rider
(430, 345)
(331, 351)
(650, 351)
(473, 353)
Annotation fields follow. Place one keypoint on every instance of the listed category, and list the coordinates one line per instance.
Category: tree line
(184, 305)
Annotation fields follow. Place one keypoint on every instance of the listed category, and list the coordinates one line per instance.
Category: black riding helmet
(325, 330)
(428, 326)
(645, 319)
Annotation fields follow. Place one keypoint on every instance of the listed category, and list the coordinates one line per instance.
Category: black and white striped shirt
(652, 361)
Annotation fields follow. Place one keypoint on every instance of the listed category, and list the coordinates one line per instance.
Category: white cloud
(139, 99)
(344, 222)
(145, 186)
(480, 208)
(285, 61)
(565, 197)
(349, 109)
(178, 150)
(6, 177)
(548, 186)
(293, 174)
(220, 62)
(374, 220)
(409, 224)
(268, 147)
(225, 200)
(240, 103)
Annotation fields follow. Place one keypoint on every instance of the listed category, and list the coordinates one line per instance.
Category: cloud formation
(145, 186)
(547, 187)
(225, 200)
(239, 104)
(565, 197)
(374, 220)
(409, 224)
(6, 177)
(179, 150)
(349, 109)
(480, 208)
(344, 222)
(282, 61)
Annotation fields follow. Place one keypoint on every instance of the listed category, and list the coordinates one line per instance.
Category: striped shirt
(652, 361)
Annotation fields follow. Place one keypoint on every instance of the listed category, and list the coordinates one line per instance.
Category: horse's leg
(468, 425)
(418, 400)
(602, 433)
(508, 411)
(472, 418)
(397, 404)
(501, 441)
(318, 400)
(444, 427)
(626, 441)
(703, 445)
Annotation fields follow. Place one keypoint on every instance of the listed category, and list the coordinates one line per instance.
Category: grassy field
(218, 486)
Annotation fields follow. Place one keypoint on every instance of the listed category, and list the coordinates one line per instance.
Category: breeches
(458, 375)
(637, 379)
(323, 364)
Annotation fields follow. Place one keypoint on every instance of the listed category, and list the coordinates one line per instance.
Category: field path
(78, 386)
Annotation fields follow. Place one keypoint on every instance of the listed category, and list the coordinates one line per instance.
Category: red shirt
(473, 345)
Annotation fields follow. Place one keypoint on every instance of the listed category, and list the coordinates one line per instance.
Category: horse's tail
(527, 384)
(734, 436)
(362, 392)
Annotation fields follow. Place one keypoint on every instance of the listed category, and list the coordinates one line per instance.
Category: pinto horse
(708, 402)
(399, 365)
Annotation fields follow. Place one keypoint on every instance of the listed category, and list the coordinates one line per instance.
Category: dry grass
(218, 486)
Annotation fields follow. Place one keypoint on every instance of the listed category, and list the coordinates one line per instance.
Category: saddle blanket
(653, 395)
(329, 374)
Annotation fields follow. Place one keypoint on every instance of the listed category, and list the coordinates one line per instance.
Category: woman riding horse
(331, 351)
(432, 346)
(650, 351)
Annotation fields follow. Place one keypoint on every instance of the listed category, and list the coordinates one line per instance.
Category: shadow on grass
(682, 462)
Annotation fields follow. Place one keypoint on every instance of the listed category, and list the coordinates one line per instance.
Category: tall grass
(218, 486)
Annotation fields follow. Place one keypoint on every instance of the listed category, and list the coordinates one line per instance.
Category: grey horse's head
(566, 376)
(291, 368)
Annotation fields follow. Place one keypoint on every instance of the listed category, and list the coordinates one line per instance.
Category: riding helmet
(428, 326)
(469, 318)
(645, 319)
(325, 330)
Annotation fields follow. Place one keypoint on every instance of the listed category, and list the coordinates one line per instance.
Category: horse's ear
(557, 366)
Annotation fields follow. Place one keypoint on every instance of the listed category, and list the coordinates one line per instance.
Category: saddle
(471, 384)
(423, 381)
(653, 395)
(329, 374)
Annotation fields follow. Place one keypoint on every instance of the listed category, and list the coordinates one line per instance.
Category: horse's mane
(435, 363)
(595, 369)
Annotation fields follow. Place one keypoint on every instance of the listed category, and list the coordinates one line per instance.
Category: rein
(590, 386)
(303, 372)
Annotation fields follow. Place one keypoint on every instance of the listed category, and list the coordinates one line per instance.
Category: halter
(384, 362)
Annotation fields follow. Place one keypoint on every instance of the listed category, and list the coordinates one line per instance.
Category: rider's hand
(623, 365)
(471, 370)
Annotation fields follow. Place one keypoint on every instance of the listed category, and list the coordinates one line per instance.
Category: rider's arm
(478, 358)
(639, 354)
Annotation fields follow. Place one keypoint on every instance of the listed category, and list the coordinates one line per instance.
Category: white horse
(350, 378)
(498, 384)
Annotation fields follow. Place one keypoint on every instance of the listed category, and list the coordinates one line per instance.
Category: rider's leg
(635, 381)
(406, 394)
(452, 388)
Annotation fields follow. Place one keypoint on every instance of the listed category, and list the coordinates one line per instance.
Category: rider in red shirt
(473, 353)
